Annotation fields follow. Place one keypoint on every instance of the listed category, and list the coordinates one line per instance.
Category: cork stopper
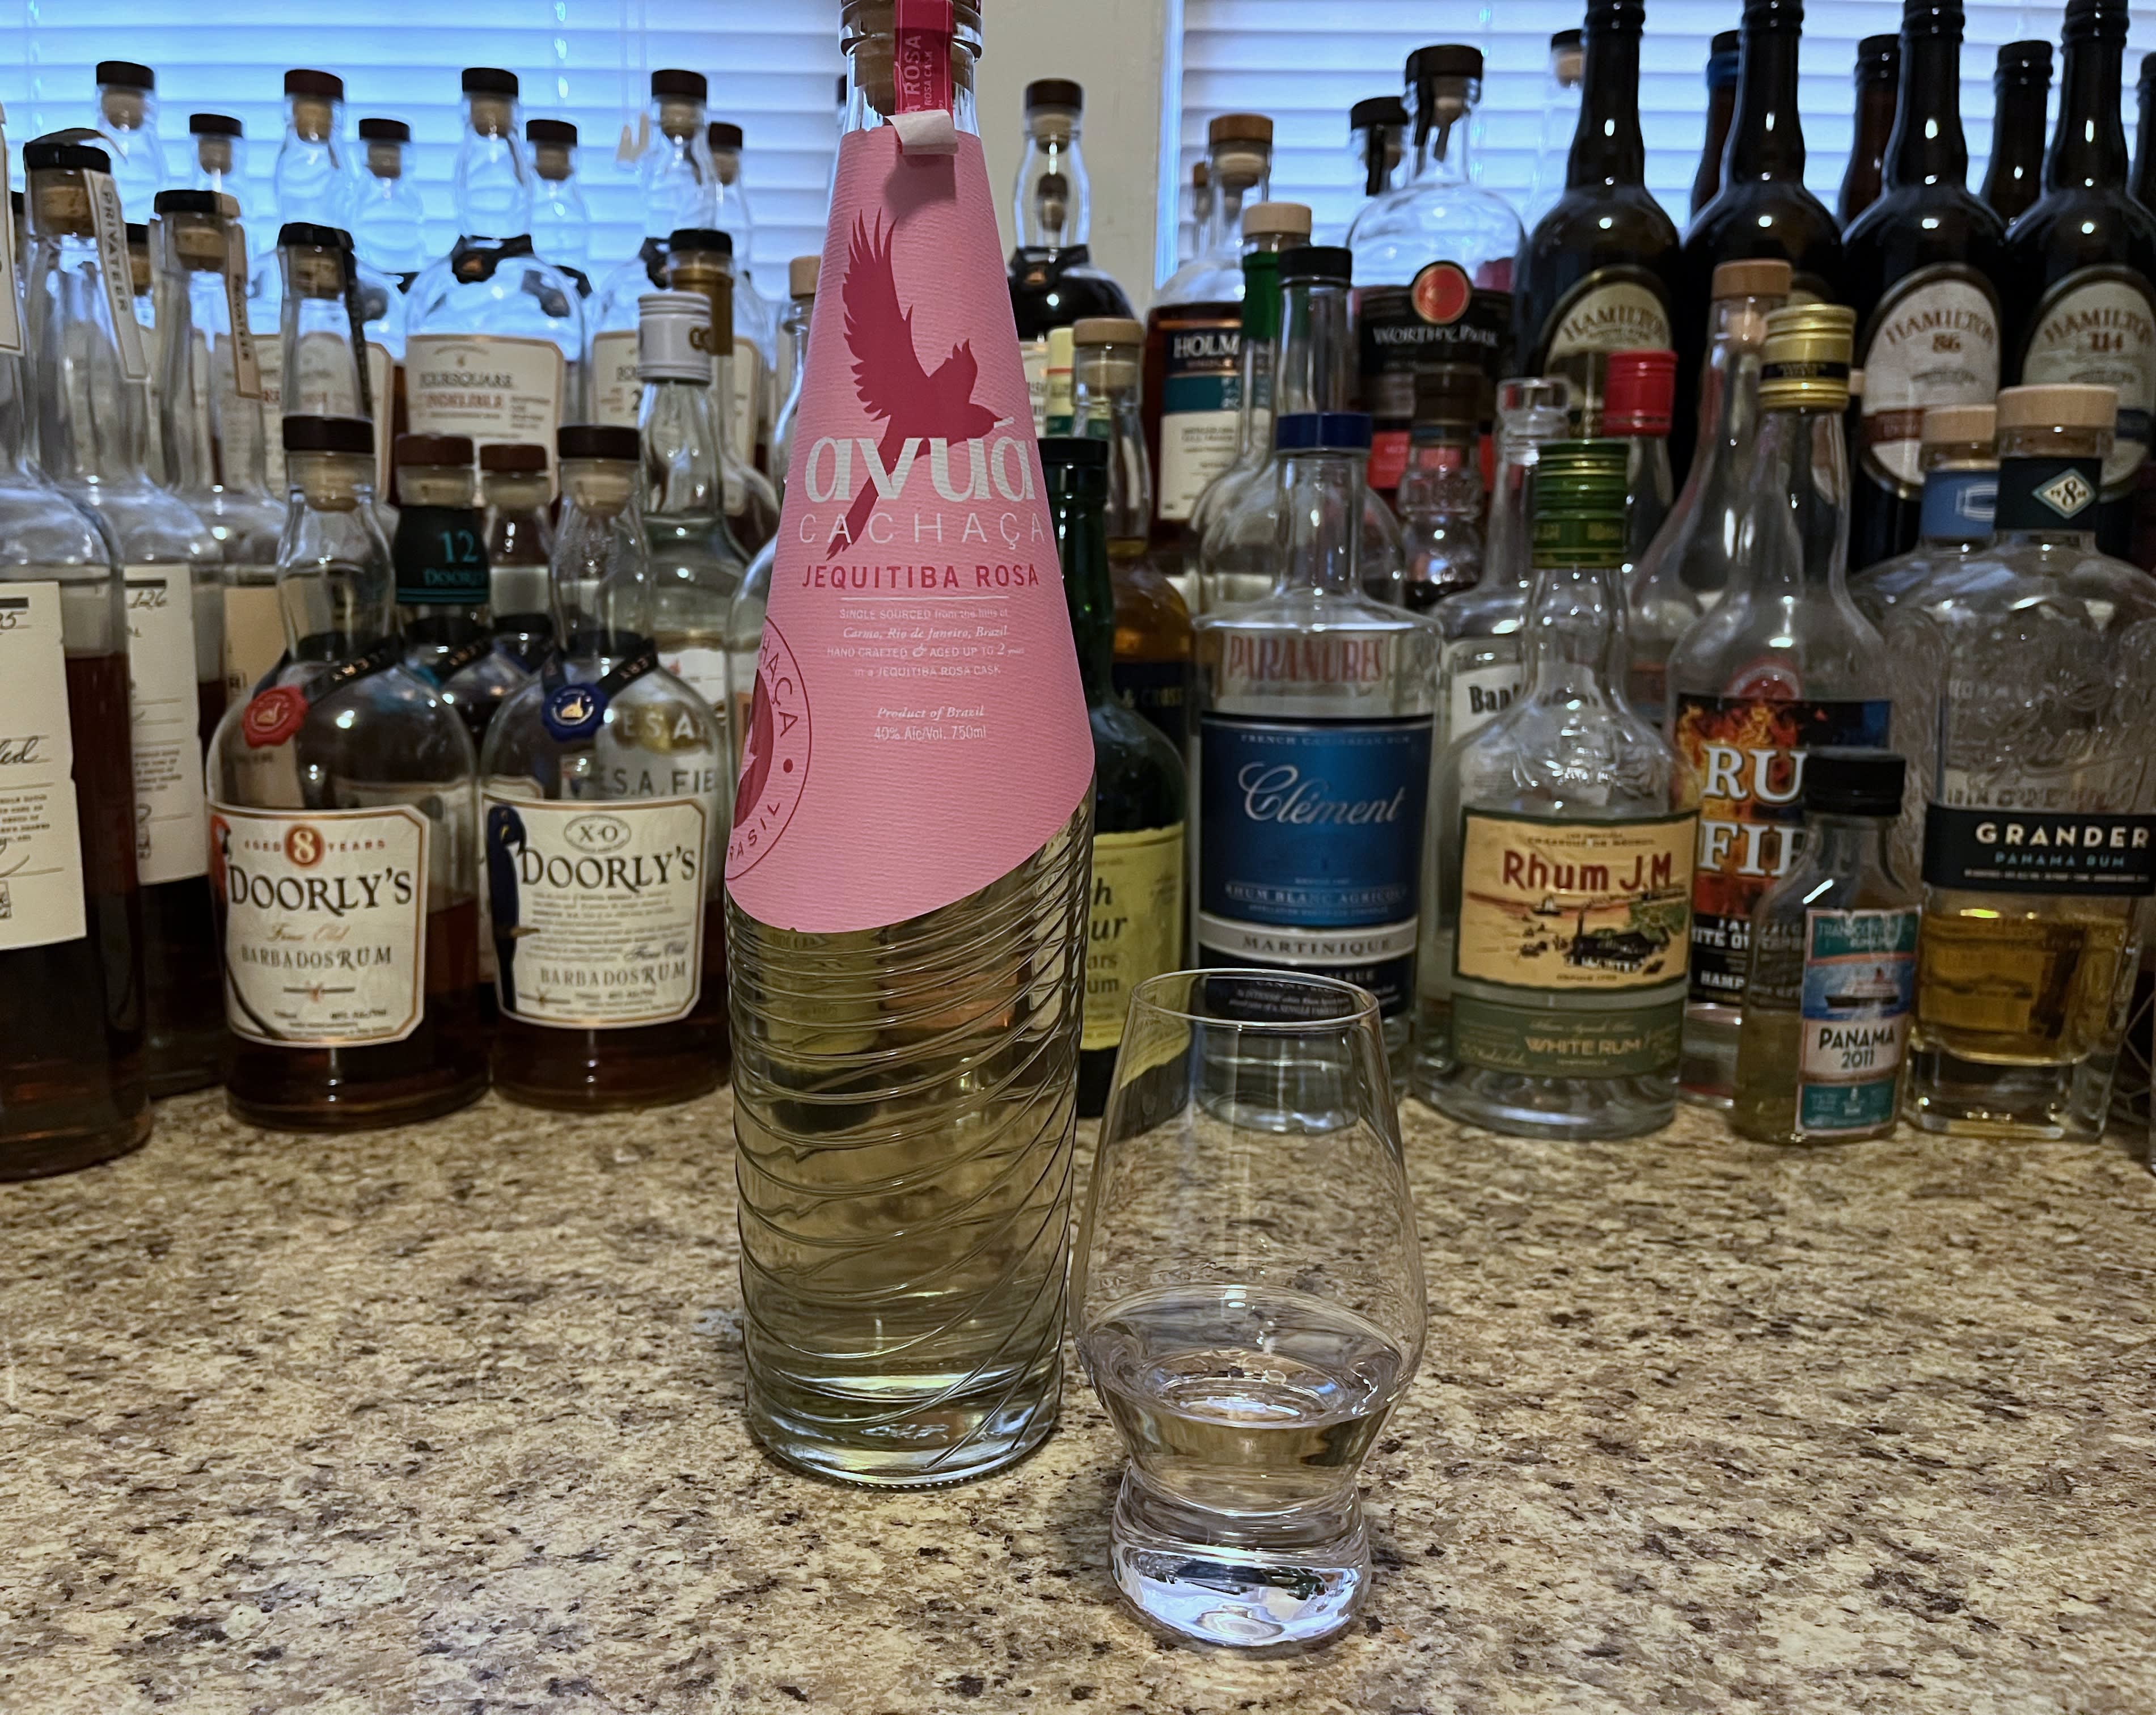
(1108, 331)
(801, 276)
(869, 38)
(2060, 405)
(1805, 366)
(1961, 422)
(1240, 128)
(1285, 219)
(1760, 277)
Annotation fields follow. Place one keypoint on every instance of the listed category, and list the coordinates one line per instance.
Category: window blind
(771, 63)
(1305, 61)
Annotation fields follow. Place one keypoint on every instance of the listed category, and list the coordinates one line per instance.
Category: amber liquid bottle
(2022, 87)
(1721, 108)
(2079, 263)
(1763, 208)
(1598, 273)
(1878, 75)
(1920, 265)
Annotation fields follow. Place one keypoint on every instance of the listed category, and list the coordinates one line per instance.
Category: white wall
(1113, 48)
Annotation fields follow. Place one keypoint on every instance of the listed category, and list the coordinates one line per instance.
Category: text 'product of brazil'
(1556, 1005)
(906, 875)
(2039, 656)
(1315, 716)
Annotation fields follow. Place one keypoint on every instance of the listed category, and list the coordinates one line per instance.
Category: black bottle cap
(2031, 62)
(1331, 264)
(1725, 42)
(185, 203)
(723, 134)
(214, 125)
(1616, 16)
(1931, 18)
(1445, 59)
(305, 234)
(2095, 21)
(1785, 16)
(489, 80)
(1054, 92)
(683, 85)
(598, 440)
(125, 74)
(699, 238)
(329, 435)
(384, 131)
(138, 234)
(513, 456)
(1879, 58)
(1561, 39)
(1377, 109)
(1843, 780)
(550, 131)
(326, 85)
(1074, 452)
(69, 157)
(1322, 432)
(451, 450)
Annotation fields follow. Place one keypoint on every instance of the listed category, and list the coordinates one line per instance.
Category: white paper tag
(162, 672)
(40, 837)
(111, 226)
(246, 368)
(932, 132)
(10, 304)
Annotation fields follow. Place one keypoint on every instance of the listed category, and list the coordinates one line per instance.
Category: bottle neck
(680, 179)
(681, 436)
(1959, 500)
(1767, 138)
(1729, 391)
(1444, 112)
(1316, 362)
(1241, 172)
(1055, 206)
(1607, 149)
(335, 583)
(1508, 561)
(91, 425)
(1800, 528)
(1259, 354)
(1106, 404)
(871, 88)
(1320, 542)
(1078, 508)
(1840, 844)
(2088, 149)
(601, 578)
(309, 177)
(17, 402)
(187, 386)
(493, 181)
(2047, 486)
(1573, 633)
(1926, 146)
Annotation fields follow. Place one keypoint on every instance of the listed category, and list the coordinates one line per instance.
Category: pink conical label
(918, 728)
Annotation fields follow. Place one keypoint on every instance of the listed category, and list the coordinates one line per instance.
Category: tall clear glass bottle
(1783, 661)
(1479, 671)
(1960, 462)
(905, 1033)
(1311, 760)
(696, 566)
(342, 815)
(611, 977)
(560, 221)
(126, 118)
(1151, 646)
(1440, 498)
(678, 186)
(1565, 831)
(701, 260)
(792, 361)
(748, 413)
(1239, 559)
(519, 548)
(2033, 672)
(217, 144)
(89, 358)
(1567, 66)
(212, 421)
(388, 219)
(492, 307)
(1433, 262)
(72, 1086)
(1687, 566)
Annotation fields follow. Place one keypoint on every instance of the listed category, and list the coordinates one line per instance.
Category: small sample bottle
(1441, 497)
(388, 221)
(1833, 976)
(126, 118)
(520, 543)
(219, 144)
(560, 222)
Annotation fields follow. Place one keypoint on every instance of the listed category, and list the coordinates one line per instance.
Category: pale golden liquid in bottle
(2019, 989)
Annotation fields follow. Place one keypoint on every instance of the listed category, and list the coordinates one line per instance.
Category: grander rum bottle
(1782, 662)
(1920, 265)
(72, 1089)
(907, 877)
(341, 840)
(1564, 832)
(2033, 671)
(1878, 77)
(2022, 86)
(1135, 902)
(1598, 274)
(601, 819)
(90, 357)
(2080, 306)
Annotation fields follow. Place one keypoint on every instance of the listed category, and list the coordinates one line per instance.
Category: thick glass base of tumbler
(1970, 1098)
(958, 1440)
(1277, 1581)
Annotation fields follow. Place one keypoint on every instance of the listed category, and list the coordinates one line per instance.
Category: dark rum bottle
(2022, 85)
(1721, 108)
(1878, 75)
(1598, 273)
(1920, 264)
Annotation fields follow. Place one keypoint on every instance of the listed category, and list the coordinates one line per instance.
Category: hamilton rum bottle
(603, 816)
(2013, 178)
(1878, 77)
(1598, 274)
(1721, 108)
(90, 357)
(72, 1086)
(1920, 266)
(2032, 673)
(907, 877)
(341, 839)
(2080, 307)
(1053, 281)
(495, 340)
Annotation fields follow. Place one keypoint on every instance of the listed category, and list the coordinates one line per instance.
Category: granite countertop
(448, 1418)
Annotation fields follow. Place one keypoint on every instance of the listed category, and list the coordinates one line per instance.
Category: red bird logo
(894, 386)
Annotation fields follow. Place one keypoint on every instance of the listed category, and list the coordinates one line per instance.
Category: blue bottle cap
(1323, 432)
(572, 711)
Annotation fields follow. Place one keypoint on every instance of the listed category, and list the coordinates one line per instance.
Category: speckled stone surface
(448, 1419)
